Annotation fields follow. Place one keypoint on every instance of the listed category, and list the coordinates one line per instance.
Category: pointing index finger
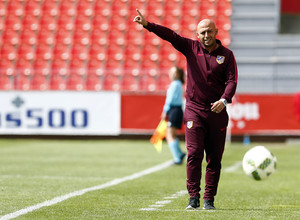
(139, 12)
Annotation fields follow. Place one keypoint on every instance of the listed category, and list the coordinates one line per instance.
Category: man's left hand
(217, 106)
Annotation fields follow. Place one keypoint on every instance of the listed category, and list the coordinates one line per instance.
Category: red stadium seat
(75, 82)
(120, 7)
(33, 8)
(96, 67)
(65, 22)
(93, 83)
(97, 52)
(102, 24)
(133, 52)
(78, 67)
(148, 83)
(129, 83)
(31, 22)
(149, 67)
(22, 82)
(24, 67)
(167, 51)
(207, 8)
(48, 22)
(50, 8)
(68, 8)
(80, 52)
(64, 36)
(59, 67)
(26, 51)
(224, 36)
(28, 37)
(115, 52)
(85, 7)
(155, 7)
(163, 82)
(173, 7)
(57, 82)
(114, 67)
(11, 37)
(81, 37)
(172, 22)
(61, 51)
(116, 36)
(150, 52)
(8, 52)
(13, 22)
(102, 8)
(5, 83)
(39, 82)
(111, 82)
(43, 51)
(15, 7)
(99, 37)
(165, 65)
(223, 22)
(46, 37)
(189, 8)
(41, 67)
(7, 68)
(83, 22)
(131, 67)
(189, 23)
(3, 10)
(224, 7)
(134, 37)
(119, 22)
(152, 39)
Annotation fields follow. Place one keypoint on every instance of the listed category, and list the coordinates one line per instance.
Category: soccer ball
(259, 163)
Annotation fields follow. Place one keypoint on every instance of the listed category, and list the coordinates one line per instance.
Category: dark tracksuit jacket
(210, 77)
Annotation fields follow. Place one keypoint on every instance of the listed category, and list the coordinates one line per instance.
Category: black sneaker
(208, 204)
(193, 204)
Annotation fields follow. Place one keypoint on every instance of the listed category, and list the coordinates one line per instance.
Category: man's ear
(217, 30)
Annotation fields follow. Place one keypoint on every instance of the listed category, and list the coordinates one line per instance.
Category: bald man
(211, 84)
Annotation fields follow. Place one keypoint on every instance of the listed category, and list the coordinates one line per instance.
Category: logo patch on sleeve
(189, 124)
(220, 59)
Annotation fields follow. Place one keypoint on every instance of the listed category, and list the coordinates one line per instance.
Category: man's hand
(217, 106)
(140, 19)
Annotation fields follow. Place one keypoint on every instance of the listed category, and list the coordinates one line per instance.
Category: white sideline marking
(162, 203)
(83, 191)
(233, 167)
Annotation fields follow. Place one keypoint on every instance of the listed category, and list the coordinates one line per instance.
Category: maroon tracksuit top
(210, 77)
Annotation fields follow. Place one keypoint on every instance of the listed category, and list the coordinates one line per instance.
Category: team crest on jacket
(220, 59)
(189, 124)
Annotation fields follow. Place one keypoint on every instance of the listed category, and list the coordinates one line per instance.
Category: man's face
(206, 32)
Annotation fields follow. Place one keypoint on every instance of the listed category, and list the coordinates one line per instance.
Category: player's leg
(214, 151)
(174, 146)
(194, 136)
(174, 123)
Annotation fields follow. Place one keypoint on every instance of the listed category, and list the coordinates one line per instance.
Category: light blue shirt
(174, 95)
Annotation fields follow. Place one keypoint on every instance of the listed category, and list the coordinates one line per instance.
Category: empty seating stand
(94, 44)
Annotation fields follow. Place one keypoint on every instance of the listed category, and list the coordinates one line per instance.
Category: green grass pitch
(34, 171)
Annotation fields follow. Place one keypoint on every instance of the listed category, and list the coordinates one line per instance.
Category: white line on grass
(83, 191)
(168, 199)
(233, 167)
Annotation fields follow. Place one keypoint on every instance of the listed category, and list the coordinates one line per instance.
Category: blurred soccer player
(172, 112)
(211, 84)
